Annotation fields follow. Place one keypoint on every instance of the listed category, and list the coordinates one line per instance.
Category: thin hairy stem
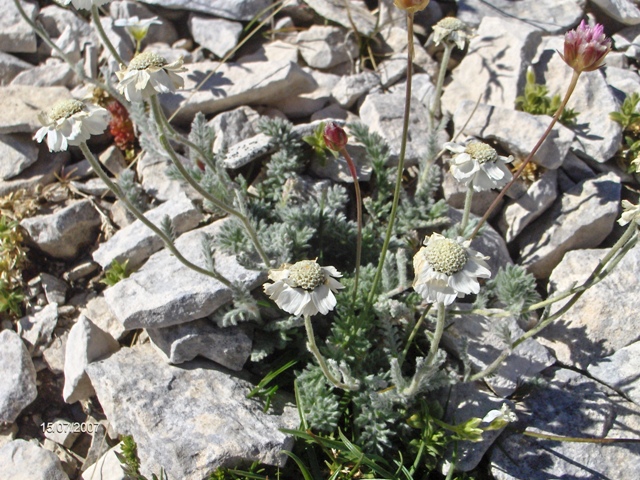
(107, 43)
(448, 48)
(356, 184)
(467, 209)
(140, 216)
(417, 327)
(492, 207)
(437, 335)
(561, 438)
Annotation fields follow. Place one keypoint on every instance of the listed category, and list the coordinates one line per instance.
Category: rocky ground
(122, 360)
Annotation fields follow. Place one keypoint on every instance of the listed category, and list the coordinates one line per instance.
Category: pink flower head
(585, 47)
(335, 137)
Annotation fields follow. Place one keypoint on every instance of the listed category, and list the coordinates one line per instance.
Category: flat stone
(575, 406)
(11, 66)
(325, 47)
(305, 104)
(274, 51)
(21, 104)
(230, 9)
(85, 344)
(233, 127)
(51, 74)
(36, 329)
(581, 218)
(624, 11)
(229, 346)
(484, 344)
(18, 388)
(604, 319)
(337, 169)
(97, 310)
(215, 34)
(147, 300)
(54, 288)
(350, 88)
(16, 35)
(341, 13)
(479, 75)
(113, 160)
(18, 152)
(108, 467)
(53, 355)
(620, 371)
(63, 233)
(137, 242)
(622, 81)
(455, 193)
(152, 171)
(248, 150)
(22, 460)
(517, 132)
(41, 173)
(62, 432)
(203, 411)
(552, 16)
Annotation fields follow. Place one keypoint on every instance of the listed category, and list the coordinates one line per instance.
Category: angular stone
(233, 85)
(41, 173)
(620, 371)
(62, 432)
(54, 288)
(56, 20)
(479, 75)
(18, 152)
(11, 66)
(203, 411)
(63, 233)
(152, 171)
(229, 347)
(351, 87)
(305, 104)
(108, 467)
(147, 300)
(231, 9)
(16, 35)
(233, 126)
(18, 387)
(36, 330)
(137, 242)
(85, 344)
(98, 312)
(341, 13)
(516, 132)
(581, 218)
(324, 47)
(51, 74)
(248, 150)
(574, 406)
(113, 159)
(624, 11)
(552, 16)
(337, 169)
(276, 51)
(53, 355)
(22, 460)
(21, 104)
(622, 81)
(215, 34)
(603, 320)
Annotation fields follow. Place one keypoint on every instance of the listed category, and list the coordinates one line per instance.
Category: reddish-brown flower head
(335, 137)
(411, 5)
(585, 47)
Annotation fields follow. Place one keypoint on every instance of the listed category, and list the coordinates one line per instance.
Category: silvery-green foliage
(203, 136)
(513, 288)
(132, 190)
(391, 341)
(376, 414)
(207, 245)
(275, 335)
(422, 211)
(147, 129)
(244, 308)
(166, 226)
(319, 404)
(425, 377)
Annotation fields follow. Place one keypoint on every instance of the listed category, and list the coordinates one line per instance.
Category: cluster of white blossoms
(71, 122)
(147, 74)
(304, 288)
(446, 269)
(479, 164)
(452, 30)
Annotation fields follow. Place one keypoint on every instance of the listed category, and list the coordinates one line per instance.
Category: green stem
(313, 348)
(448, 48)
(412, 335)
(561, 438)
(467, 209)
(437, 335)
(492, 207)
(356, 184)
(157, 112)
(107, 43)
(400, 170)
(140, 216)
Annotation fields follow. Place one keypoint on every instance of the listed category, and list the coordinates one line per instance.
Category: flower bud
(335, 137)
(411, 6)
(585, 47)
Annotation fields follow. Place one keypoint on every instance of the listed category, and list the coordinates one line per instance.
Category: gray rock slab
(485, 344)
(580, 218)
(604, 320)
(11, 66)
(215, 34)
(62, 432)
(63, 233)
(21, 105)
(622, 81)
(18, 152)
(18, 388)
(108, 467)
(455, 192)
(552, 16)
(519, 213)
(624, 11)
(137, 242)
(229, 347)
(50, 74)
(341, 13)
(233, 85)
(575, 406)
(147, 300)
(190, 419)
(495, 66)
(56, 20)
(517, 132)
(53, 355)
(36, 329)
(152, 171)
(16, 35)
(233, 127)
(54, 288)
(324, 47)
(98, 312)
(248, 150)
(350, 88)
(305, 104)
(620, 371)
(337, 169)
(22, 460)
(86, 343)
(231, 9)
(597, 136)
(41, 173)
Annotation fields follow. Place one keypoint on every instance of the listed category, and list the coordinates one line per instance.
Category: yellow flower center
(64, 109)
(145, 60)
(306, 274)
(451, 23)
(446, 256)
(481, 152)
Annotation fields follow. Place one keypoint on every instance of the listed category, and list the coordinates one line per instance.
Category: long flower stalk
(446, 56)
(356, 184)
(437, 334)
(95, 15)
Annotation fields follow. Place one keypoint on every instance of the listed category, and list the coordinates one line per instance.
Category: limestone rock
(305, 104)
(108, 467)
(215, 34)
(230, 9)
(152, 171)
(54, 288)
(624, 11)
(41, 173)
(85, 344)
(98, 312)
(21, 104)
(62, 432)
(337, 11)
(203, 411)
(16, 35)
(36, 329)
(351, 87)
(324, 47)
(50, 74)
(11, 66)
(63, 233)
(620, 371)
(18, 152)
(233, 126)
(53, 355)
(147, 300)
(581, 218)
(22, 460)
(229, 347)
(18, 387)
(248, 150)
(137, 242)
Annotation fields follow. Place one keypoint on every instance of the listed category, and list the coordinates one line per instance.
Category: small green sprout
(536, 101)
(629, 118)
(116, 272)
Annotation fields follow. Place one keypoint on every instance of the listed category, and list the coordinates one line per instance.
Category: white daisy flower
(85, 4)
(304, 288)
(498, 419)
(451, 29)
(71, 122)
(630, 213)
(147, 74)
(137, 28)
(479, 163)
(446, 269)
